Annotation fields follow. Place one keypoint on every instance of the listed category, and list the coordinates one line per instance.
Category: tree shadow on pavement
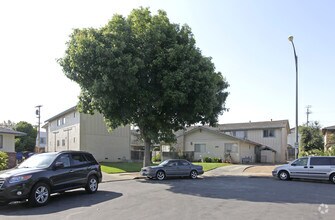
(60, 202)
(242, 188)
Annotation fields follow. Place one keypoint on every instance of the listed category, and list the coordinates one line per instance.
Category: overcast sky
(248, 41)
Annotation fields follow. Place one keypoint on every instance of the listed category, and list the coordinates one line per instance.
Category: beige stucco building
(71, 130)
(259, 141)
(201, 142)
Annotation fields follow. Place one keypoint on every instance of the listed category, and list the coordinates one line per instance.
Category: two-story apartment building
(258, 141)
(269, 134)
(72, 130)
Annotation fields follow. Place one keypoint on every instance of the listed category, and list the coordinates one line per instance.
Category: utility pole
(308, 112)
(38, 113)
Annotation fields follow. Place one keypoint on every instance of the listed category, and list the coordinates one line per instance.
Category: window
(269, 133)
(231, 148)
(240, 134)
(198, 148)
(90, 158)
(320, 161)
(58, 143)
(65, 159)
(300, 162)
(183, 163)
(78, 159)
(63, 121)
(1, 141)
(74, 114)
(63, 142)
(332, 161)
(58, 122)
(74, 140)
(42, 140)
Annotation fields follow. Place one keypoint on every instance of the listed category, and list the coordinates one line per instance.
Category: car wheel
(40, 194)
(92, 184)
(332, 178)
(194, 174)
(160, 175)
(283, 175)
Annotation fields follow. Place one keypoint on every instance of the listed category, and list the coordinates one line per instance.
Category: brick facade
(11, 159)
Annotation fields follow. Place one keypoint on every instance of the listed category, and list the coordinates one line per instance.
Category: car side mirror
(59, 165)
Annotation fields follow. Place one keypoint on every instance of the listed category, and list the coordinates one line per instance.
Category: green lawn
(124, 167)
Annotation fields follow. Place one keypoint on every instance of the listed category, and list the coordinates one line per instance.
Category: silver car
(172, 168)
(312, 167)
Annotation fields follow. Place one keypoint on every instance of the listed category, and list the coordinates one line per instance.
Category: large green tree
(311, 137)
(27, 142)
(145, 70)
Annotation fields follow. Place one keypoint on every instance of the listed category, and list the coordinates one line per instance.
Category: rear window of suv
(90, 158)
(320, 161)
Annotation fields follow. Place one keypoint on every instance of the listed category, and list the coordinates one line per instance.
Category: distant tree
(27, 142)
(311, 137)
(8, 124)
(144, 70)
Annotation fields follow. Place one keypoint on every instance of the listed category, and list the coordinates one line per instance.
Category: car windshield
(38, 161)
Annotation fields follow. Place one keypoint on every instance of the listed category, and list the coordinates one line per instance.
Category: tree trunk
(147, 158)
(147, 143)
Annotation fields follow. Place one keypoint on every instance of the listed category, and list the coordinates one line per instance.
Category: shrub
(208, 160)
(3, 160)
(156, 158)
(217, 160)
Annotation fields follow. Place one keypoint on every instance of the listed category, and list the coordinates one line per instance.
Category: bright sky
(247, 40)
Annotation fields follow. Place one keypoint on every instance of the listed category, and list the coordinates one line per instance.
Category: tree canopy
(146, 71)
(311, 137)
(27, 142)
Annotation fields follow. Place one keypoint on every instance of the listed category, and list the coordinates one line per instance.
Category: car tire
(283, 175)
(92, 184)
(332, 178)
(160, 175)
(194, 174)
(39, 195)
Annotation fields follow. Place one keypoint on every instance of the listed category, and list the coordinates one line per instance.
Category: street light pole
(296, 144)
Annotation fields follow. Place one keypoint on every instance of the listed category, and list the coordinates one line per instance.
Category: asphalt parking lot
(220, 197)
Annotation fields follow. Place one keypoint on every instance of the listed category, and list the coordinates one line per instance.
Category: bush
(217, 160)
(208, 160)
(3, 160)
(156, 158)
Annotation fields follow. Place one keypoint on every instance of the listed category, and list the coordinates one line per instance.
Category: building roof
(329, 128)
(74, 108)
(255, 125)
(10, 131)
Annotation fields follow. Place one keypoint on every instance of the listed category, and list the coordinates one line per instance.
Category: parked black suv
(43, 174)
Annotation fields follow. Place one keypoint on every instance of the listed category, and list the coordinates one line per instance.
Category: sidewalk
(233, 170)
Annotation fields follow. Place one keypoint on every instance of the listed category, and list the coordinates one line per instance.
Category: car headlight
(17, 179)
